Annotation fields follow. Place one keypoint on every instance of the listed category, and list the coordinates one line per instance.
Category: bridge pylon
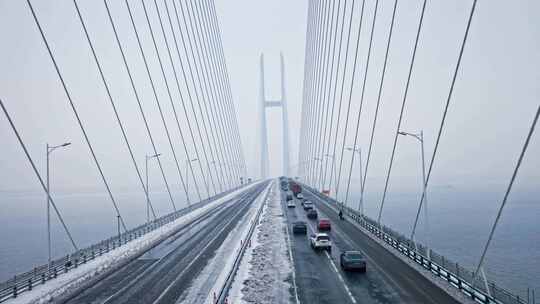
(265, 103)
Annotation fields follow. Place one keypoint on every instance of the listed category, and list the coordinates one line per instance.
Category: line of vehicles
(352, 260)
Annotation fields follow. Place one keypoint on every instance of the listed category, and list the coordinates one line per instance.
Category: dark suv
(299, 227)
(312, 214)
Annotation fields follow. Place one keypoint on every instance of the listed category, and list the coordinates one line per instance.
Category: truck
(295, 188)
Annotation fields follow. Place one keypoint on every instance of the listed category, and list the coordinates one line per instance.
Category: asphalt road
(319, 278)
(165, 272)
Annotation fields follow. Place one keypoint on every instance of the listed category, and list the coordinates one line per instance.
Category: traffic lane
(113, 283)
(371, 286)
(366, 287)
(171, 277)
(412, 286)
(316, 279)
(108, 286)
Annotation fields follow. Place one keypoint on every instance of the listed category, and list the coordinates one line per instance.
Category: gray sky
(495, 96)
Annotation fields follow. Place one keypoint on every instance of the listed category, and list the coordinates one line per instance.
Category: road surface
(319, 278)
(164, 273)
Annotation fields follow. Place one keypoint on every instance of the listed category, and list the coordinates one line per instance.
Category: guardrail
(41, 274)
(456, 275)
(223, 293)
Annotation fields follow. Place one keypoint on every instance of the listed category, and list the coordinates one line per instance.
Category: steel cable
(137, 97)
(204, 41)
(197, 96)
(76, 113)
(215, 131)
(213, 45)
(333, 167)
(353, 73)
(23, 146)
(405, 94)
(377, 106)
(443, 120)
(362, 98)
(188, 159)
(117, 116)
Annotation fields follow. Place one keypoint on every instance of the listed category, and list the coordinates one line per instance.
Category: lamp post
(333, 157)
(316, 159)
(187, 173)
(359, 151)
(420, 138)
(147, 158)
(50, 149)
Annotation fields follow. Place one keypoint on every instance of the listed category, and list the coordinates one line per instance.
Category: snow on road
(73, 280)
(265, 275)
(212, 278)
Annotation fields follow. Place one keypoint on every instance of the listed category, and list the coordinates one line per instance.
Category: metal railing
(41, 274)
(455, 274)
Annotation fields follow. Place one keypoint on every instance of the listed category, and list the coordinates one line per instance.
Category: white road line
(349, 293)
(289, 244)
(379, 268)
(340, 277)
(194, 259)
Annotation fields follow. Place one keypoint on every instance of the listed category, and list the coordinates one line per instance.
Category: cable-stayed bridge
(227, 238)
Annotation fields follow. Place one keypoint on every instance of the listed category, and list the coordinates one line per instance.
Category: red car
(324, 224)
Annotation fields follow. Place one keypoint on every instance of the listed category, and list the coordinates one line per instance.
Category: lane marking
(340, 277)
(388, 276)
(220, 209)
(152, 265)
(349, 293)
(194, 259)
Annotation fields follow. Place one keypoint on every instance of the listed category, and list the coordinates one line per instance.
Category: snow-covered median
(214, 275)
(73, 280)
(266, 273)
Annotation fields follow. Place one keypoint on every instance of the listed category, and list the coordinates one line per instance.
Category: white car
(300, 196)
(291, 204)
(320, 241)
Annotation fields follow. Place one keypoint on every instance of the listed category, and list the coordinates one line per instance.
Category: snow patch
(71, 281)
(213, 276)
(266, 274)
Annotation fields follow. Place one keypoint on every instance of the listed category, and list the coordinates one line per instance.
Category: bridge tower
(265, 103)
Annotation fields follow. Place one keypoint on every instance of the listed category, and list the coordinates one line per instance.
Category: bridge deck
(388, 279)
(165, 273)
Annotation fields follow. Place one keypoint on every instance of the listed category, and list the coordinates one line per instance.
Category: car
(312, 214)
(324, 224)
(352, 260)
(307, 205)
(299, 227)
(289, 197)
(300, 196)
(291, 204)
(320, 241)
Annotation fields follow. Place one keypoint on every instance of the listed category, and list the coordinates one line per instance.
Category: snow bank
(266, 274)
(213, 276)
(73, 280)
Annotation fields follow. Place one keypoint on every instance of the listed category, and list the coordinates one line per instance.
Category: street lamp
(50, 149)
(420, 138)
(359, 151)
(187, 173)
(147, 158)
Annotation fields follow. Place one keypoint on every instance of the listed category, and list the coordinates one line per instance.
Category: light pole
(316, 159)
(187, 173)
(50, 149)
(147, 158)
(361, 204)
(420, 138)
(333, 157)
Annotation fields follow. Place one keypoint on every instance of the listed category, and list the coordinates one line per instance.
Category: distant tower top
(282, 102)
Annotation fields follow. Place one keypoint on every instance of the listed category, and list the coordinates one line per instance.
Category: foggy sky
(495, 95)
